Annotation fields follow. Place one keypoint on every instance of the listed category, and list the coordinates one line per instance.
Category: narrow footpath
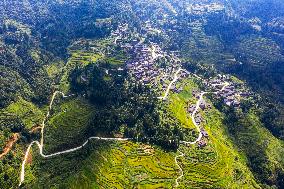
(180, 169)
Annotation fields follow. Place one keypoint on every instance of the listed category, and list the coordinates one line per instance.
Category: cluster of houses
(174, 87)
(204, 140)
(145, 64)
(231, 94)
(199, 8)
(120, 33)
(145, 68)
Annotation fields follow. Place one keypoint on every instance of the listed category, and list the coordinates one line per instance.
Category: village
(153, 67)
(200, 8)
(149, 64)
(232, 93)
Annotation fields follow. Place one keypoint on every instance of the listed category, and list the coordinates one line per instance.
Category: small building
(194, 93)
(173, 87)
(202, 104)
(146, 80)
(244, 94)
(202, 143)
(198, 120)
(191, 109)
(209, 106)
(204, 133)
(228, 102)
(236, 103)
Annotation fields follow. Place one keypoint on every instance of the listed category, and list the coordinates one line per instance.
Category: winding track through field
(197, 127)
(41, 143)
(200, 99)
(180, 169)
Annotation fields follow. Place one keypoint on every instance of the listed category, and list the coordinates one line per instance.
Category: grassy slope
(27, 112)
(218, 165)
(261, 146)
(65, 130)
(178, 104)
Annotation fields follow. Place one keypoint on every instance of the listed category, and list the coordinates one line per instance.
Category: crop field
(85, 58)
(130, 164)
(219, 164)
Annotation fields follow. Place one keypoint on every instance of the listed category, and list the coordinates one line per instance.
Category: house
(179, 90)
(191, 109)
(195, 93)
(198, 120)
(202, 104)
(204, 133)
(236, 103)
(202, 143)
(129, 66)
(244, 94)
(228, 102)
(146, 80)
(209, 106)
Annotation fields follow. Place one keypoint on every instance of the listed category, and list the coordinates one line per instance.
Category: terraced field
(219, 164)
(129, 164)
(68, 127)
(133, 164)
(79, 59)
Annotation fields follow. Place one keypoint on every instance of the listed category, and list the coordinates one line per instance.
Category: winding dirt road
(41, 143)
(197, 127)
(194, 122)
(170, 85)
(180, 169)
(192, 116)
